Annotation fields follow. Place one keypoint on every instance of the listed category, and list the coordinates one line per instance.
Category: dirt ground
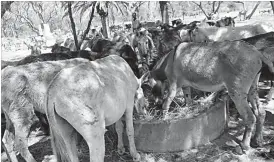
(219, 150)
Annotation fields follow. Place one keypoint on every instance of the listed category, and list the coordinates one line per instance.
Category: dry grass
(178, 108)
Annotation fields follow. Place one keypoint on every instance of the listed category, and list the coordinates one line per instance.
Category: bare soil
(219, 150)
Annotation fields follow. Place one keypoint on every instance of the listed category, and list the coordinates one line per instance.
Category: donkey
(23, 92)
(213, 66)
(106, 47)
(199, 34)
(50, 57)
(263, 42)
(142, 41)
(83, 99)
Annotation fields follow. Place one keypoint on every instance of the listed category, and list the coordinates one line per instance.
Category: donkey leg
(170, 97)
(259, 113)
(119, 126)
(240, 100)
(44, 122)
(130, 134)
(187, 93)
(21, 141)
(94, 136)
(8, 140)
(271, 92)
(22, 130)
(22, 117)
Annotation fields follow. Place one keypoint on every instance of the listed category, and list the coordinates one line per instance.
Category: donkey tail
(58, 144)
(266, 61)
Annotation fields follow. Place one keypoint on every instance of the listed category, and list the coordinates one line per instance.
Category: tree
(83, 6)
(102, 9)
(73, 26)
(32, 13)
(272, 5)
(164, 11)
(254, 9)
(5, 6)
(213, 11)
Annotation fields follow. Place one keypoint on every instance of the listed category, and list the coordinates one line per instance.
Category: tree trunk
(166, 14)
(112, 16)
(89, 24)
(162, 9)
(73, 27)
(272, 5)
(254, 9)
(213, 6)
(149, 10)
(5, 6)
(104, 26)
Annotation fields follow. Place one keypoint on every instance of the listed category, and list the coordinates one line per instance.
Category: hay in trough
(178, 108)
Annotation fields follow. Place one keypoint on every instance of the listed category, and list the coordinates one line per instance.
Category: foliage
(24, 17)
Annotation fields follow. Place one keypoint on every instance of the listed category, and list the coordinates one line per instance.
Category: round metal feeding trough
(181, 134)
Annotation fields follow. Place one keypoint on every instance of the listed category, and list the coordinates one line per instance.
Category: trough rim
(213, 107)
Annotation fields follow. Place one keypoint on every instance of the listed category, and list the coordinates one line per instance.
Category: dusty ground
(219, 150)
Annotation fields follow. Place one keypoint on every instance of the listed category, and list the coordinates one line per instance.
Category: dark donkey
(106, 47)
(50, 57)
(265, 44)
(214, 66)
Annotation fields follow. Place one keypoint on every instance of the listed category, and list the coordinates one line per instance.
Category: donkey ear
(143, 78)
(150, 42)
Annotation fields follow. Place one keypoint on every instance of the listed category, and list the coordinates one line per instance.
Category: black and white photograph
(137, 81)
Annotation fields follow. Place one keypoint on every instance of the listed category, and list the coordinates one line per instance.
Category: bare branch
(241, 3)
(89, 24)
(27, 21)
(50, 16)
(37, 10)
(218, 7)
(73, 26)
(200, 6)
(254, 9)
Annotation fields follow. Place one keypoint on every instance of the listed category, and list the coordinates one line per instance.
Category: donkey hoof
(137, 157)
(238, 150)
(49, 158)
(256, 142)
(165, 114)
(121, 151)
(242, 148)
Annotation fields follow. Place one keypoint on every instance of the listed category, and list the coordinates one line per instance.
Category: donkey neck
(158, 72)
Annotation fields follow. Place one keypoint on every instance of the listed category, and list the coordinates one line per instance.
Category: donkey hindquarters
(84, 100)
(216, 65)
